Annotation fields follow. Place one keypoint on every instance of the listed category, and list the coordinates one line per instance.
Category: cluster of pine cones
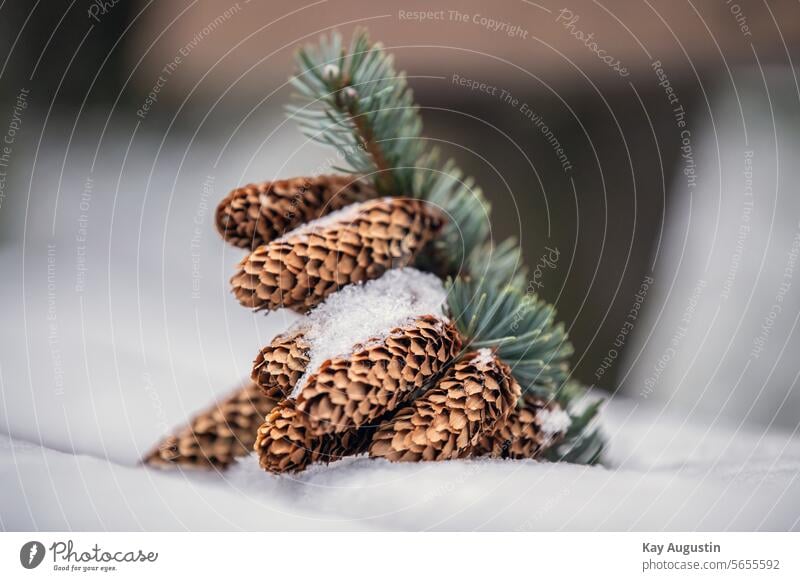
(415, 392)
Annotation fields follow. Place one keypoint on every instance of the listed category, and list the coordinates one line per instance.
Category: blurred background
(645, 153)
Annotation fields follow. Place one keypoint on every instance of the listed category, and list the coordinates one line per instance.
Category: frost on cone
(280, 364)
(449, 419)
(355, 391)
(217, 436)
(358, 243)
(284, 443)
(529, 430)
(258, 213)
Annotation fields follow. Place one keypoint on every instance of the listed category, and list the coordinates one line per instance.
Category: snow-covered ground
(664, 474)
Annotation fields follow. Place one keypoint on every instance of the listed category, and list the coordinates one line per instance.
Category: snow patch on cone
(554, 421)
(344, 215)
(483, 357)
(368, 312)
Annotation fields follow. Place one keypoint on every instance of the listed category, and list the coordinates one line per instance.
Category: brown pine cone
(358, 243)
(521, 435)
(284, 444)
(449, 419)
(217, 436)
(355, 391)
(258, 213)
(281, 363)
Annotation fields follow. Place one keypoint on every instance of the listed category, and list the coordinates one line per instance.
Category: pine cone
(217, 436)
(258, 213)
(284, 444)
(359, 243)
(449, 419)
(521, 434)
(280, 364)
(355, 391)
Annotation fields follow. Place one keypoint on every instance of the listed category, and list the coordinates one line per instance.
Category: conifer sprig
(583, 443)
(467, 237)
(501, 263)
(519, 327)
(354, 100)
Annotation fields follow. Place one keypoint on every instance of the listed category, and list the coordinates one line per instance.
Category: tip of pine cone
(165, 453)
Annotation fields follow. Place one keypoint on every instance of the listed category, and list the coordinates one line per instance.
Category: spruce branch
(584, 442)
(519, 327)
(354, 100)
(501, 263)
(467, 234)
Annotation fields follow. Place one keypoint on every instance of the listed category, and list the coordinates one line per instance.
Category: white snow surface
(664, 473)
(368, 311)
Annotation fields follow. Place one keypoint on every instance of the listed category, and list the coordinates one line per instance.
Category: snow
(48, 490)
(664, 473)
(483, 357)
(367, 312)
(345, 214)
(554, 421)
